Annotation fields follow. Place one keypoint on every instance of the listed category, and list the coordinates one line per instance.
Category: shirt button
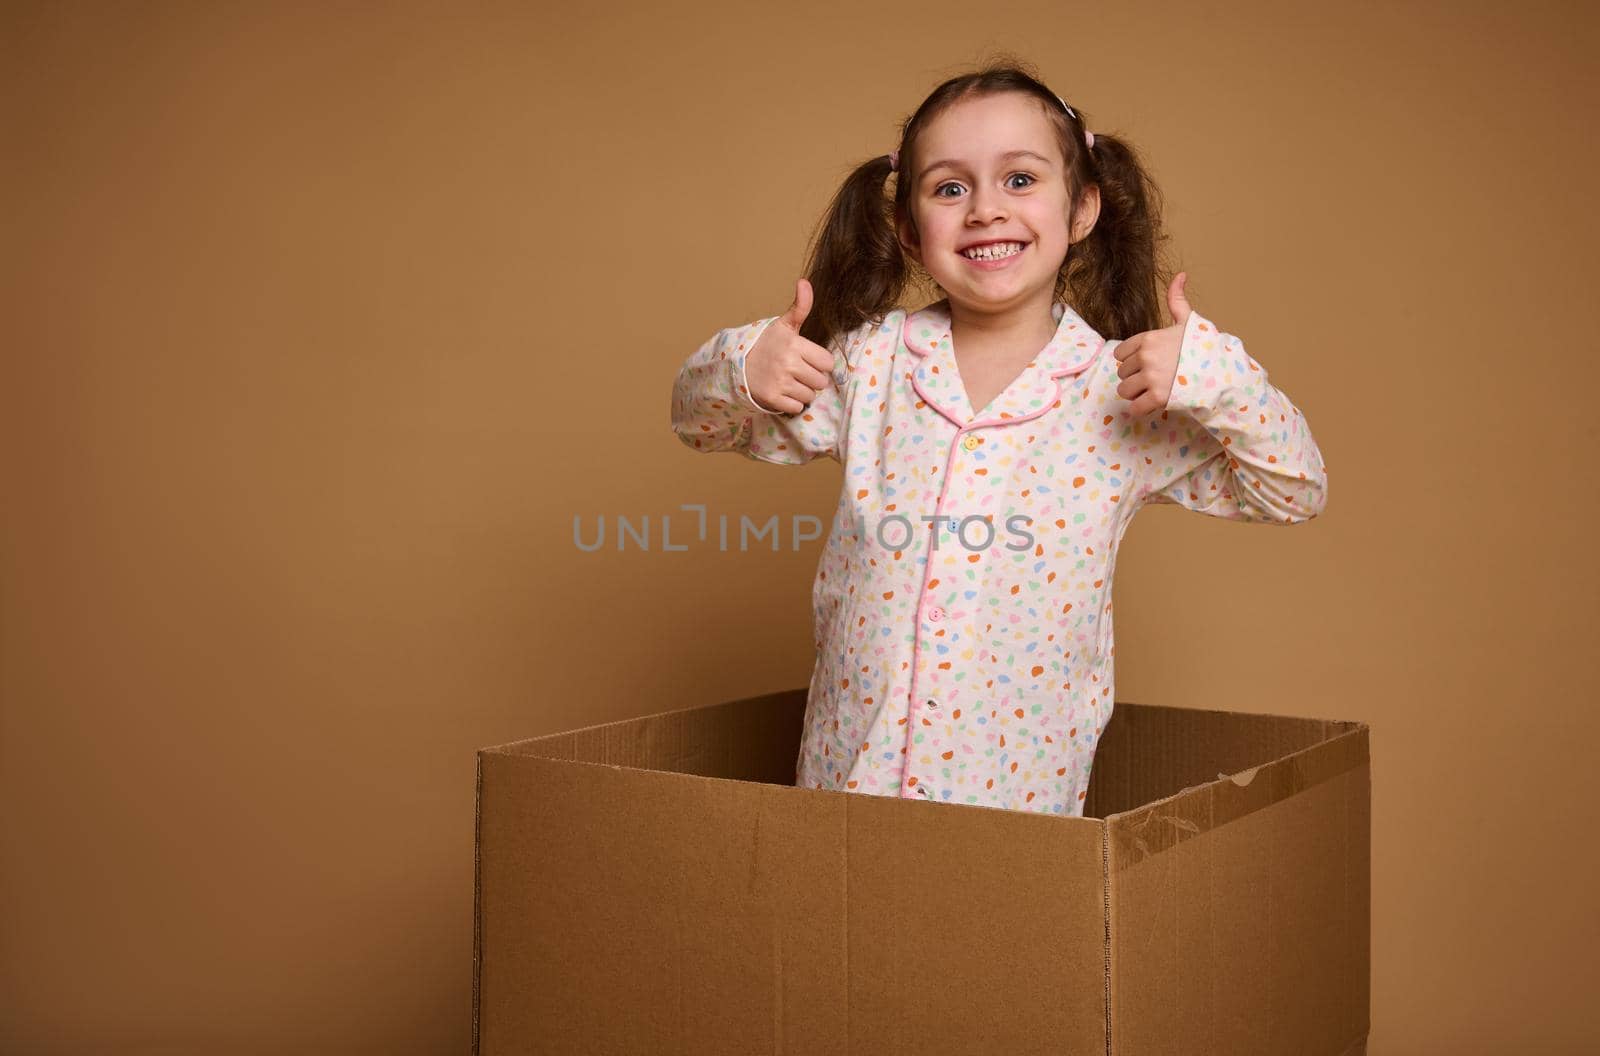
(971, 441)
(936, 614)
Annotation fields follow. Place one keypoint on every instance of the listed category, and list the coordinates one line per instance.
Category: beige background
(322, 325)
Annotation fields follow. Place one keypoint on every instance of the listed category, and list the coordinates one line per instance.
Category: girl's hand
(1148, 361)
(784, 371)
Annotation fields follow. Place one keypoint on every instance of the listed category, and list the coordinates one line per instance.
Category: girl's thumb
(802, 304)
(1178, 298)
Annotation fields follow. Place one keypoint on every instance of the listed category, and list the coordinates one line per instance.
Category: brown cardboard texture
(659, 886)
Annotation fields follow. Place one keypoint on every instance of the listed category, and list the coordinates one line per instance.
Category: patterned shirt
(962, 603)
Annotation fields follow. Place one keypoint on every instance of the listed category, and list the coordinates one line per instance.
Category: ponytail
(856, 268)
(1115, 276)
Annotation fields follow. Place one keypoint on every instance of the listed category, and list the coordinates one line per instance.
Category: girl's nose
(986, 206)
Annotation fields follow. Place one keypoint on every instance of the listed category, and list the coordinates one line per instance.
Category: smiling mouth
(992, 256)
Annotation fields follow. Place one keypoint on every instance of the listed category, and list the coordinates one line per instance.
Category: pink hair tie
(1088, 137)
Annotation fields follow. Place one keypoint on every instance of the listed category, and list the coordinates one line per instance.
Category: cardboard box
(659, 886)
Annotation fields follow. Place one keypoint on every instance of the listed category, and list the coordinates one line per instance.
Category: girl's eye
(942, 186)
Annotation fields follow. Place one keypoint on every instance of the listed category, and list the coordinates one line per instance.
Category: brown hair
(1118, 284)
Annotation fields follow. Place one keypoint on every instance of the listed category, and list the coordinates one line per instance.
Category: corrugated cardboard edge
(477, 900)
(566, 744)
(1105, 890)
(1232, 796)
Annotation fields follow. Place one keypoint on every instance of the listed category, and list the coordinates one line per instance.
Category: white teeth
(993, 251)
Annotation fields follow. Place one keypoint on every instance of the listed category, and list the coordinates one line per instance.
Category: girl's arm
(712, 409)
(1228, 443)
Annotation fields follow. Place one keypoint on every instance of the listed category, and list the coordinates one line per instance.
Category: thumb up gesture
(1148, 361)
(784, 372)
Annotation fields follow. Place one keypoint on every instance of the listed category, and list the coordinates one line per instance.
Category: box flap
(1148, 752)
(1240, 909)
(754, 739)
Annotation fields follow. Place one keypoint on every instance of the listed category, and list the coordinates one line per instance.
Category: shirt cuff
(741, 389)
(1188, 384)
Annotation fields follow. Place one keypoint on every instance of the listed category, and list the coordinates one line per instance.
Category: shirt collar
(926, 333)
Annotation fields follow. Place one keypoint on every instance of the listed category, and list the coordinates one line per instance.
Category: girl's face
(989, 170)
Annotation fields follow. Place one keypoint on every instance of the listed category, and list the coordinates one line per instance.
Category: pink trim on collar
(1075, 344)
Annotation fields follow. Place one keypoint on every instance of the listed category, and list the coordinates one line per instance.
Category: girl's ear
(910, 244)
(1088, 213)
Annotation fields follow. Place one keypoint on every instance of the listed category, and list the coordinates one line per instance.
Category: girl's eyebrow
(949, 163)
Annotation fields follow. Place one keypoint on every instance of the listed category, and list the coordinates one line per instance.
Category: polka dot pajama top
(962, 602)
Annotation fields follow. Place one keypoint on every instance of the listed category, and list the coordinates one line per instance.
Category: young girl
(995, 443)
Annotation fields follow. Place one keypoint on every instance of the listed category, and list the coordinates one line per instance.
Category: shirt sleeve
(712, 409)
(1228, 443)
